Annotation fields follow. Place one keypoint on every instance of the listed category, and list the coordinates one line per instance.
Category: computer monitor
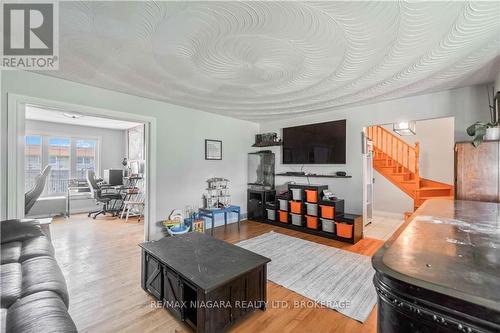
(113, 176)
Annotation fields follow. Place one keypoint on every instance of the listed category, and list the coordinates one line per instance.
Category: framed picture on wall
(213, 149)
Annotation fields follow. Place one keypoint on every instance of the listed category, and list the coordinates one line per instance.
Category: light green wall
(181, 166)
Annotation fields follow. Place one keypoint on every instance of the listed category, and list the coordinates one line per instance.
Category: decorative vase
(492, 133)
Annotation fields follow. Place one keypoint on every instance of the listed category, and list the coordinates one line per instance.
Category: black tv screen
(322, 143)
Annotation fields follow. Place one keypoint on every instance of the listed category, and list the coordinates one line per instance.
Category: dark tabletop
(205, 261)
(450, 247)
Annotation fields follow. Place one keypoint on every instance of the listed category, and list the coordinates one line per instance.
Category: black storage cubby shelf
(340, 216)
(312, 231)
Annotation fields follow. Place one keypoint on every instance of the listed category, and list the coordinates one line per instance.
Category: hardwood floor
(100, 260)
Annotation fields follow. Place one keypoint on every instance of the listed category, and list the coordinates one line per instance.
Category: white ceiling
(267, 60)
(57, 116)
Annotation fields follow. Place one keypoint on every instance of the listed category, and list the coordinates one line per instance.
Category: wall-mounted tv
(322, 143)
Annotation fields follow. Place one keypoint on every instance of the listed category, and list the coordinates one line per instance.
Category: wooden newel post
(417, 163)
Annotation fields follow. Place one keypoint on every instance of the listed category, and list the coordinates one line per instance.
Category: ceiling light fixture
(404, 128)
(72, 115)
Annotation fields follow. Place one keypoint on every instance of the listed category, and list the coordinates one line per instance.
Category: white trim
(15, 158)
(15, 124)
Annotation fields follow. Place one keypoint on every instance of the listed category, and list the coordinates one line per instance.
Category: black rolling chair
(99, 196)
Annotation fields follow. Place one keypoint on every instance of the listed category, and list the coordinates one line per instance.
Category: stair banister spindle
(408, 157)
(392, 147)
(417, 162)
(379, 132)
(401, 156)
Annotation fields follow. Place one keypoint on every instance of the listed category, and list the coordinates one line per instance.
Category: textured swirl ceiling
(267, 60)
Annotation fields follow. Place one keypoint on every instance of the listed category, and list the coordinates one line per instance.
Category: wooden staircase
(398, 161)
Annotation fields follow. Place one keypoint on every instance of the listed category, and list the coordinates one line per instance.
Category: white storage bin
(297, 194)
(283, 204)
(312, 209)
(271, 214)
(297, 219)
(328, 225)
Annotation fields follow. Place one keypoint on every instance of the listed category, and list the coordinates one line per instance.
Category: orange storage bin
(327, 212)
(312, 222)
(283, 216)
(296, 207)
(344, 230)
(311, 196)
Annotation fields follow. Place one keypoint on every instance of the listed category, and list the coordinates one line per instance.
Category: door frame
(15, 150)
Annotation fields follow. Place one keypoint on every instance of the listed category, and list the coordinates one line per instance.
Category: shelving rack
(356, 221)
(217, 192)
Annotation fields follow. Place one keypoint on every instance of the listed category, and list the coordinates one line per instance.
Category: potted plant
(487, 131)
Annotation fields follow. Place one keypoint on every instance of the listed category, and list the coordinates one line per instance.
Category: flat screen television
(322, 143)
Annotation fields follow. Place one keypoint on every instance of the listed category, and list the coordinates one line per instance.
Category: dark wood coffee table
(206, 282)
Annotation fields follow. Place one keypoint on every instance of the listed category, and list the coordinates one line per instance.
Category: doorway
(41, 134)
(412, 161)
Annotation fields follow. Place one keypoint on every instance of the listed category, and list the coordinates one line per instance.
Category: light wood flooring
(100, 260)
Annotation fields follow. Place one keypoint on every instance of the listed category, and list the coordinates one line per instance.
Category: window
(59, 159)
(85, 157)
(69, 158)
(32, 161)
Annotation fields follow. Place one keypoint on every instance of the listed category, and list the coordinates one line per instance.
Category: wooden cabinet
(152, 277)
(203, 281)
(234, 300)
(172, 292)
(477, 171)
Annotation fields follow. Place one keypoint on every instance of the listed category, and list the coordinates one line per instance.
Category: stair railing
(397, 150)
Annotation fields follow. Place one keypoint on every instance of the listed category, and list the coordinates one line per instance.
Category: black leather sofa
(33, 292)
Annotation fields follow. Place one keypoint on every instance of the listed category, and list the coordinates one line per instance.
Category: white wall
(388, 199)
(467, 105)
(181, 168)
(112, 142)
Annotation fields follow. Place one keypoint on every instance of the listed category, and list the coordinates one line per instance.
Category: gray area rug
(337, 279)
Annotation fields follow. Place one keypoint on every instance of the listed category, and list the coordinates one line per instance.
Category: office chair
(32, 195)
(100, 197)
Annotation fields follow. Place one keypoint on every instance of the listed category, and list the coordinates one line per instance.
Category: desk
(211, 213)
(191, 272)
(76, 188)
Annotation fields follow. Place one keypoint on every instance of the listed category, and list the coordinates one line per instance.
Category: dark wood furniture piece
(340, 216)
(206, 282)
(256, 203)
(477, 171)
(442, 272)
